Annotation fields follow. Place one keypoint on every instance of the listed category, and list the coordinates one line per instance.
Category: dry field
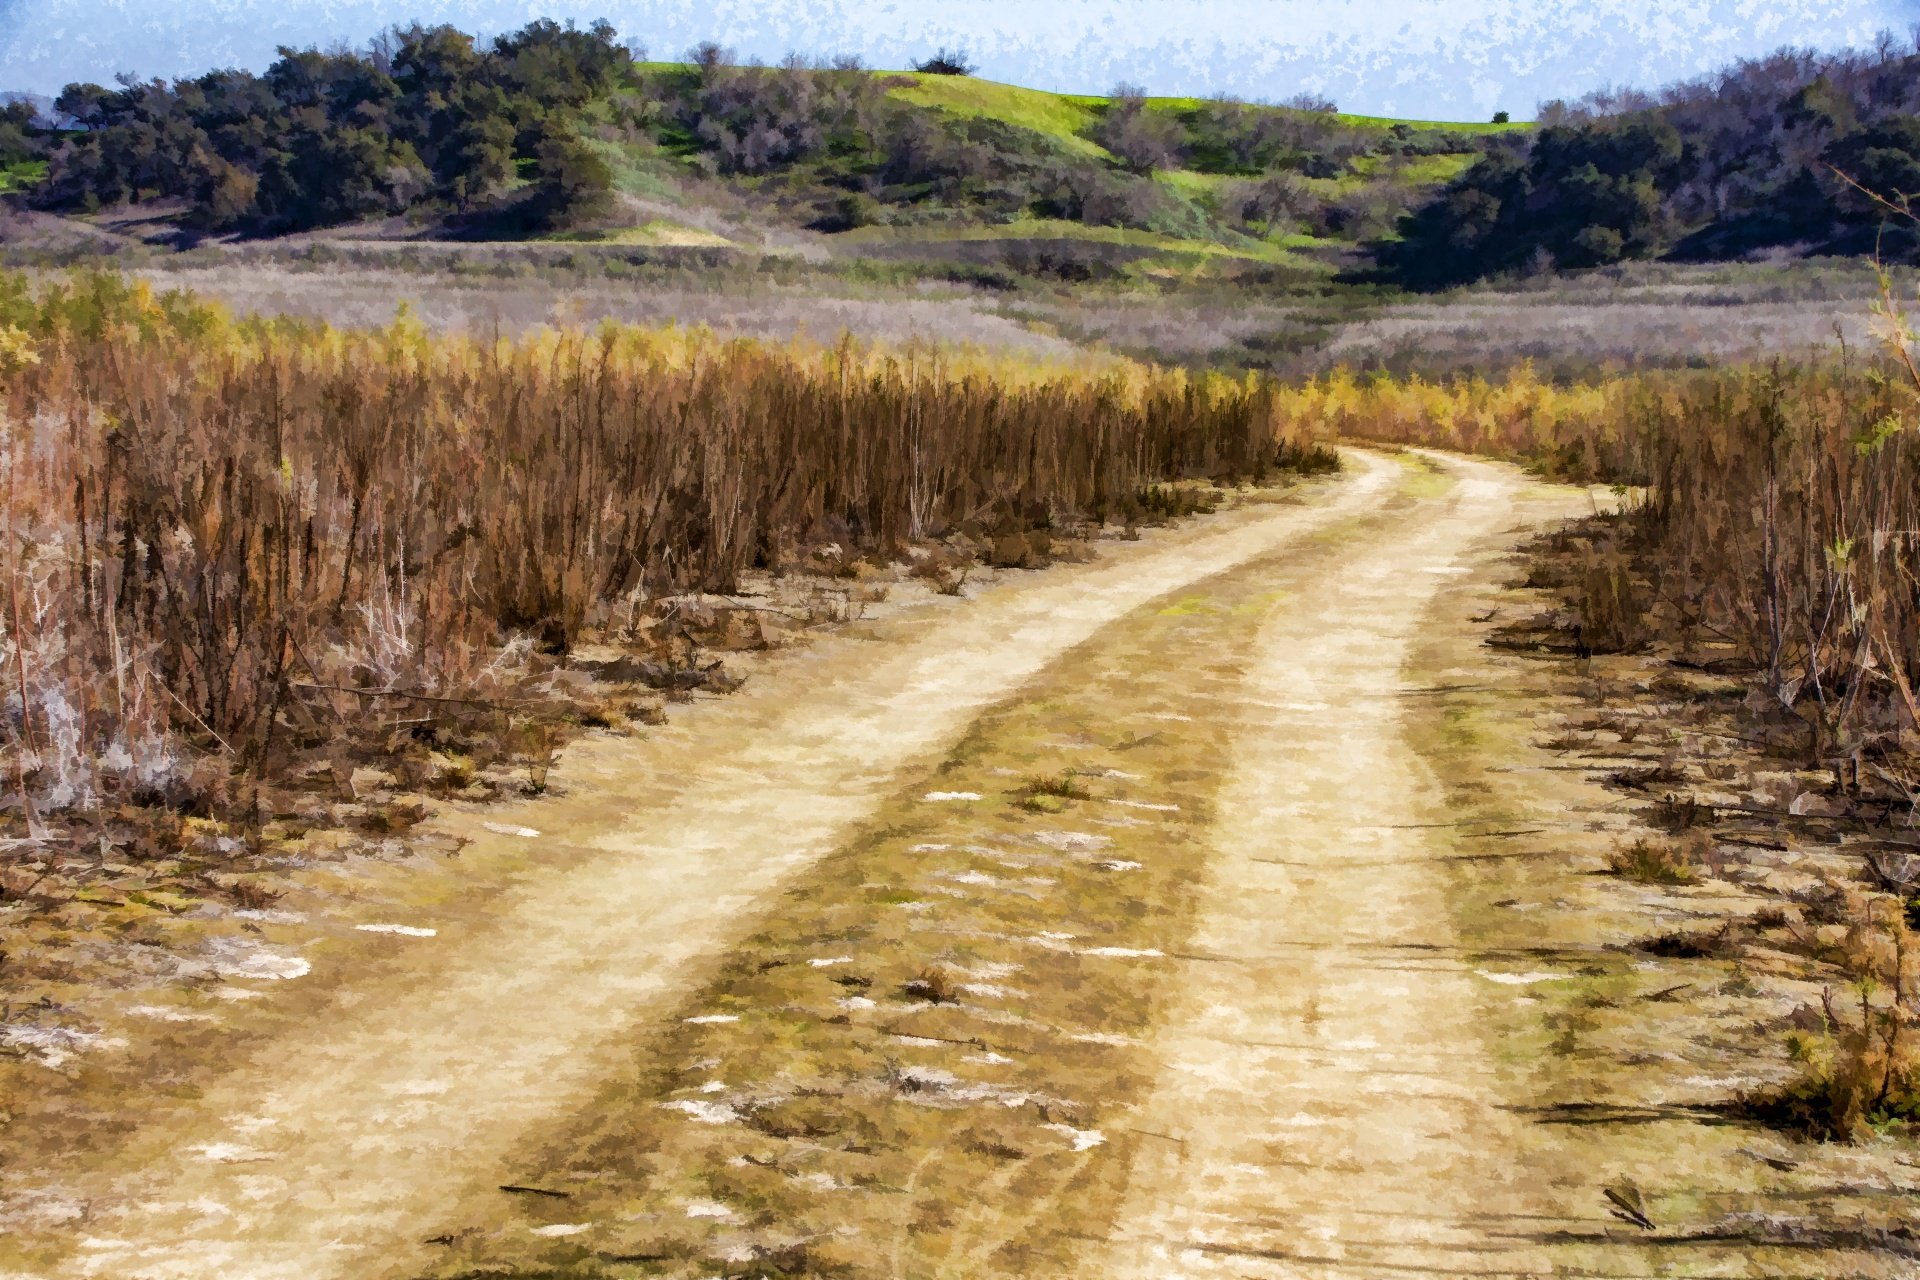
(818, 312)
(1612, 322)
(631, 803)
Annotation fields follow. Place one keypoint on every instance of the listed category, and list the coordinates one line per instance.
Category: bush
(850, 211)
(1597, 247)
(572, 181)
(947, 62)
(1142, 140)
(1653, 862)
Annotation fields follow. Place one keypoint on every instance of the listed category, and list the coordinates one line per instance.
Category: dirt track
(325, 1154)
(1327, 1096)
(1415, 1036)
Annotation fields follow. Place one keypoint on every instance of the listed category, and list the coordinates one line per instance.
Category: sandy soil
(325, 1153)
(1415, 1037)
(1326, 1100)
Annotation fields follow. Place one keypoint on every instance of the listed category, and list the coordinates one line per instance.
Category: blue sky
(1437, 59)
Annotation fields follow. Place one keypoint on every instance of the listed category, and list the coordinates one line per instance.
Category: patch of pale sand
(1332, 1110)
(659, 850)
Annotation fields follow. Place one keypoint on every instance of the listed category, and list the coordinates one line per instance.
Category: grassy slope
(1093, 102)
(1058, 116)
(1067, 118)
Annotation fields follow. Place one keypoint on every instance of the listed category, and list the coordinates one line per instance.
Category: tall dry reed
(1774, 508)
(213, 529)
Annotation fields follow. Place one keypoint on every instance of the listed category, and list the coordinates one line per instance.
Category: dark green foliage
(1885, 159)
(21, 138)
(1582, 197)
(1749, 160)
(25, 145)
(572, 181)
(947, 62)
(324, 138)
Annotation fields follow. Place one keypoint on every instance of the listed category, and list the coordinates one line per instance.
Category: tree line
(1794, 151)
(424, 114)
(531, 127)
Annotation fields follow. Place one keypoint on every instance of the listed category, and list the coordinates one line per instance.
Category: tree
(477, 159)
(1885, 160)
(947, 62)
(558, 66)
(572, 181)
(88, 106)
(20, 136)
(1140, 139)
(1501, 117)
(226, 196)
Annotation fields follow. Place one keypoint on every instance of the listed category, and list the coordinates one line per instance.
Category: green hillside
(556, 133)
(1065, 119)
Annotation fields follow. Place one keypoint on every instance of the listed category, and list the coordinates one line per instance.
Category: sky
(1430, 59)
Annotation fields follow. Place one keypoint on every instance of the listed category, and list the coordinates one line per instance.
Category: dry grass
(731, 305)
(1821, 854)
(1498, 333)
(1766, 535)
(227, 542)
(1859, 1072)
(1653, 862)
(1063, 786)
(1765, 519)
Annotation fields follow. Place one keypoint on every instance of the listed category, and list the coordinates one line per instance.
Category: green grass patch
(22, 176)
(1060, 118)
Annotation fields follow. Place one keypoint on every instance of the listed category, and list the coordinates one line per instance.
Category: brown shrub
(228, 541)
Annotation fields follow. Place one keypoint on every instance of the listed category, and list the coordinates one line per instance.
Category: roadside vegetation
(1764, 540)
(229, 544)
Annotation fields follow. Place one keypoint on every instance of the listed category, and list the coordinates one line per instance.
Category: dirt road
(1316, 1095)
(1327, 1102)
(324, 1155)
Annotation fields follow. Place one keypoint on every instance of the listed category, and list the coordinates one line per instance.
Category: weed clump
(1859, 1072)
(1655, 862)
(1065, 786)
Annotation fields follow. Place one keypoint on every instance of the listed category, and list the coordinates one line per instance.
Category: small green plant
(1858, 1072)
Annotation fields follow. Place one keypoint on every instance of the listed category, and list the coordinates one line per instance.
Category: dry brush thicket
(1768, 534)
(224, 541)
(1771, 510)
